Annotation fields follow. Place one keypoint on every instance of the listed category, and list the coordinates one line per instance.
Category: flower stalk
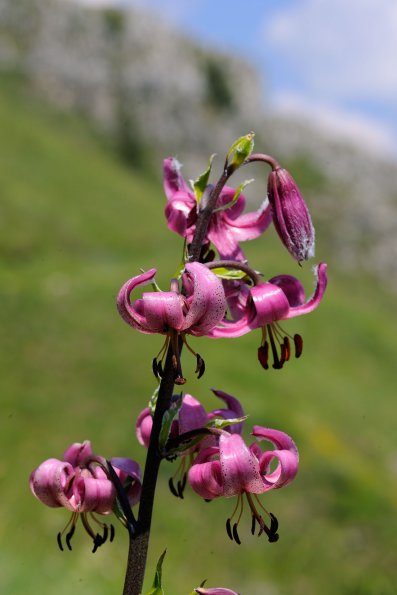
(139, 541)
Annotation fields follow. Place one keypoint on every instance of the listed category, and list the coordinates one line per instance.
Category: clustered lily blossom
(228, 226)
(191, 416)
(216, 299)
(80, 483)
(234, 469)
(263, 306)
(195, 310)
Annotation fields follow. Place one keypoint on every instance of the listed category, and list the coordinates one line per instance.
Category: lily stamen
(277, 335)
(181, 483)
(72, 521)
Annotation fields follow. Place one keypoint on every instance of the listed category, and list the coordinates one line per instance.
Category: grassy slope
(74, 225)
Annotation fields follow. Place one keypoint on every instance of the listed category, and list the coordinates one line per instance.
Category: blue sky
(329, 61)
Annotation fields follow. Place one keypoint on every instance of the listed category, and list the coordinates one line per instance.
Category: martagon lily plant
(215, 294)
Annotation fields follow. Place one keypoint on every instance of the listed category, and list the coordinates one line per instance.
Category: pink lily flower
(191, 416)
(264, 305)
(290, 214)
(79, 482)
(233, 469)
(228, 226)
(195, 310)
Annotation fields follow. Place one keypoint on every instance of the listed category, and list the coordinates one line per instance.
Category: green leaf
(182, 264)
(229, 274)
(219, 422)
(239, 190)
(167, 420)
(201, 183)
(157, 589)
(239, 151)
(153, 400)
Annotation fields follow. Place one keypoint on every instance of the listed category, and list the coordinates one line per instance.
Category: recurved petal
(162, 311)
(51, 481)
(205, 475)
(240, 468)
(127, 311)
(292, 288)
(173, 180)
(77, 453)
(286, 452)
(285, 471)
(270, 303)
(206, 302)
(93, 495)
(234, 409)
(143, 427)
(314, 301)
(192, 414)
(250, 226)
(127, 468)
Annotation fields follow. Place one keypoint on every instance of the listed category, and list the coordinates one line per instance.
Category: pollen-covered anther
(280, 345)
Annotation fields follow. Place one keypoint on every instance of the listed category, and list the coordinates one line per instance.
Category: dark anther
(253, 525)
(155, 367)
(98, 541)
(273, 537)
(180, 488)
(235, 534)
(273, 523)
(229, 529)
(172, 488)
(298, 341)
(263, 355)
(69, 537)
(200, 368)
(59, 540)
(207, 499)
(179, 380)
(105, 533)
(111, 533)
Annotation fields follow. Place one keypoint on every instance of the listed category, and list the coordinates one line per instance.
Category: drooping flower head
(228, 226)
(234, 469)
(264, 305)
(80, 483)
(191, 416)
(290, 214)
(195, 310)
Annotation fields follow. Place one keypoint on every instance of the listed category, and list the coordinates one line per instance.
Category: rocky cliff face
(150, 86)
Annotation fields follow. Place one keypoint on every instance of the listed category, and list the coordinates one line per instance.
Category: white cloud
(336, 123)
(340, 48)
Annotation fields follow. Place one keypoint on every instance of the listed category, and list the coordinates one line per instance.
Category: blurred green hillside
(75, 224)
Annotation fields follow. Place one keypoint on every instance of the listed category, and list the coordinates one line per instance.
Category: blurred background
(93, 95)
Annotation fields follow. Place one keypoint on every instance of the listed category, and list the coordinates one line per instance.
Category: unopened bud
(290, 215)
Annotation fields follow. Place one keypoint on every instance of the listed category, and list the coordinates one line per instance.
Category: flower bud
(290, 215)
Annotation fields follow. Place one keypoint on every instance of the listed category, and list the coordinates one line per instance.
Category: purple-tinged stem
(274, 164)
(139, 540)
